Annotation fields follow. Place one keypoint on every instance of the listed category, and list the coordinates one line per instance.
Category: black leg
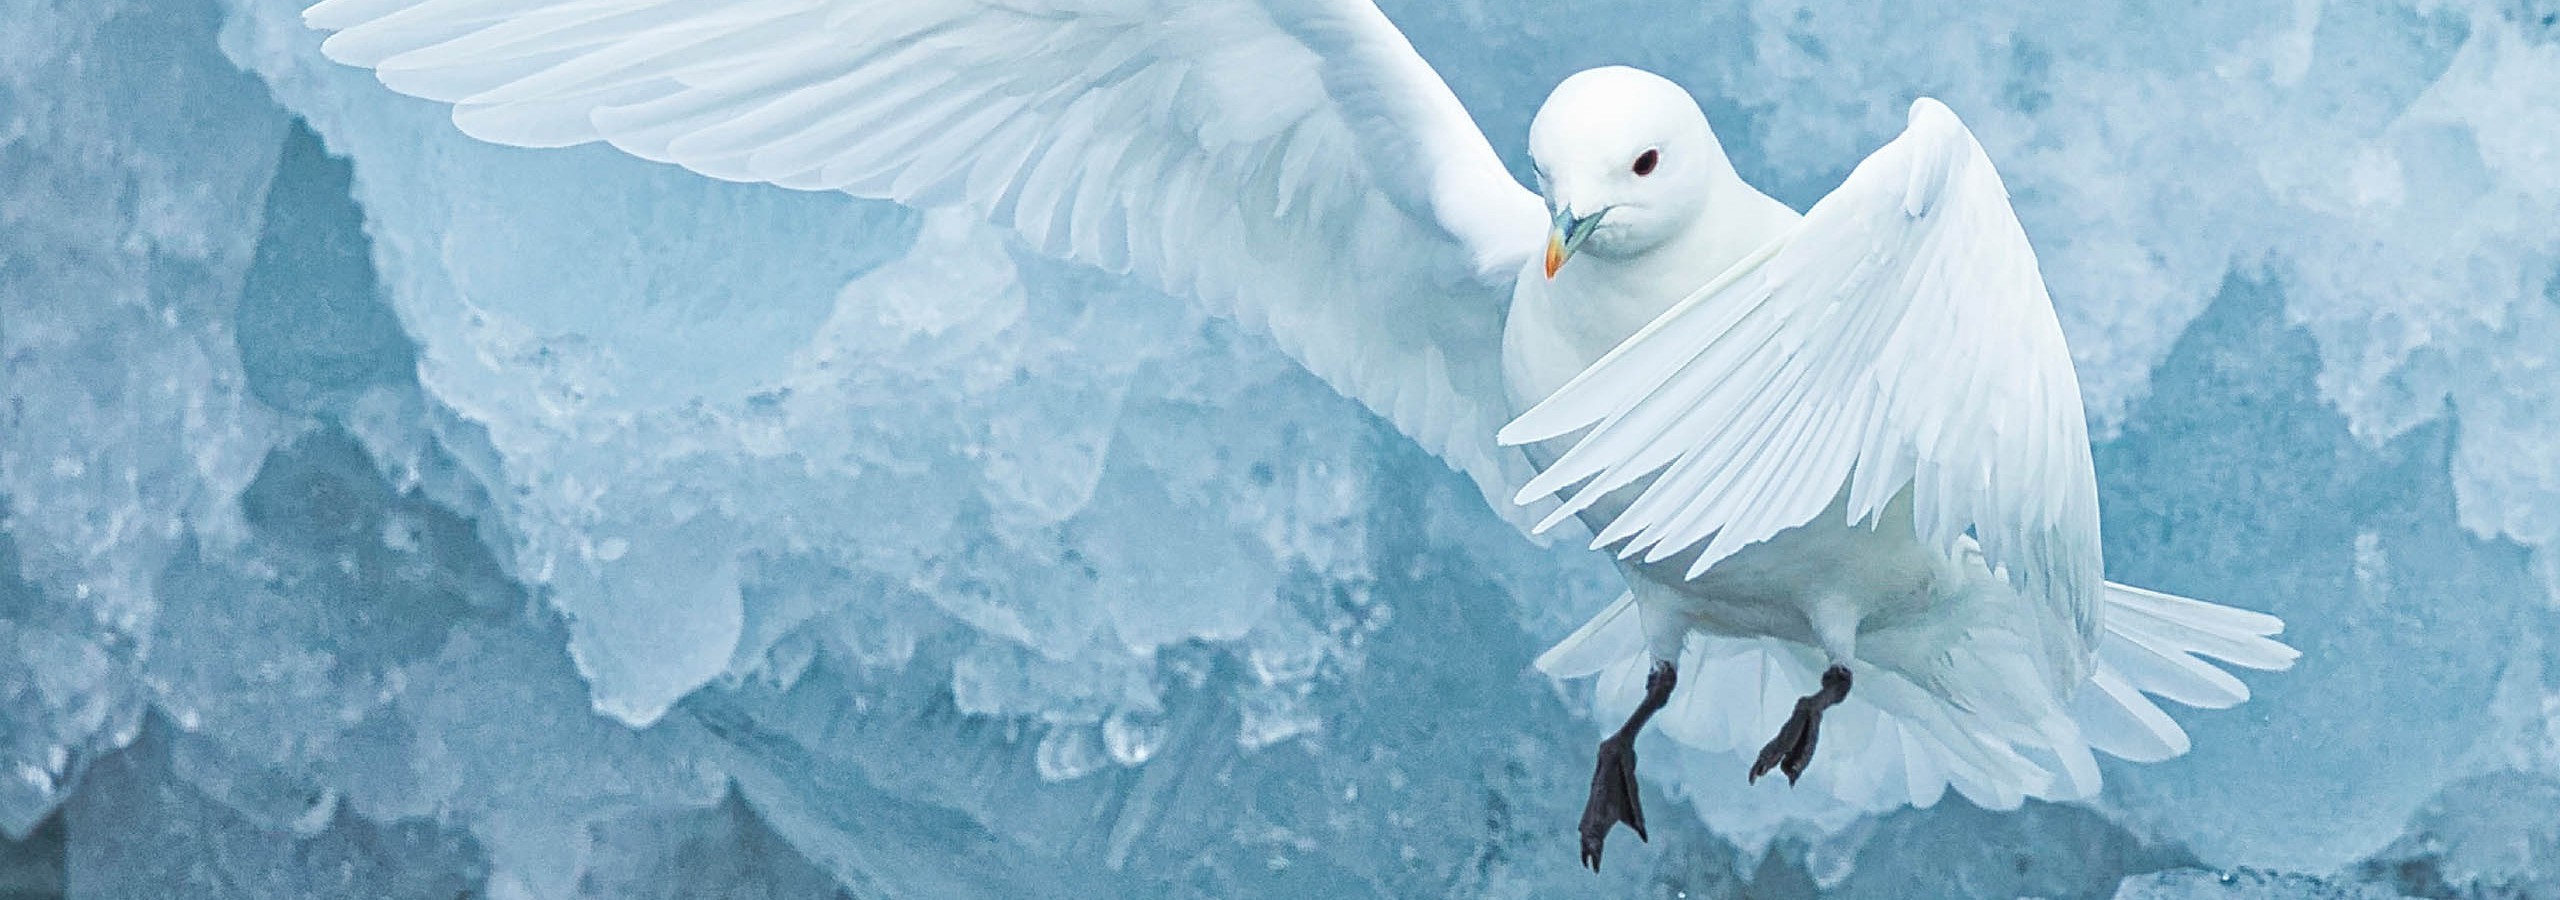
(1792, 749)
(1613, 781)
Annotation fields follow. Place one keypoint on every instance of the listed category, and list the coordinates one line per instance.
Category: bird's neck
(1556, 328)
(1609, 298)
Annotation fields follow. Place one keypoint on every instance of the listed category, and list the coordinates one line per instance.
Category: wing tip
(332, 48)
(2284, 654)
(324, 16)
(1601, 641)
(1529, 428)
(1926, 106)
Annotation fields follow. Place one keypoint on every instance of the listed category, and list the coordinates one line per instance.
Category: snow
(387, 515)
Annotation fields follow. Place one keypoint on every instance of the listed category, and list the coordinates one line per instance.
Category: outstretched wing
(1291, 162)
(1899, 339)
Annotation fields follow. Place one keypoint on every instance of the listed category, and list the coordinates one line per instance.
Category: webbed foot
(1613, 779)
(1792, 749)
(1613, 798)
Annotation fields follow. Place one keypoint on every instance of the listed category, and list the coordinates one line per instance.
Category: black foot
(1613, 798)
(1613, 781)
(1792, 749)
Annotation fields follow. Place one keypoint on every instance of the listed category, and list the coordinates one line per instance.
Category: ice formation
(385, 516)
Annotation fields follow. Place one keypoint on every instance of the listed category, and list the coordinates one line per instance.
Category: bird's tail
(1894, 742)
(2155, 644)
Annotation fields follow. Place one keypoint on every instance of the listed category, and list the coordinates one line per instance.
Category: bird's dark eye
(1646, 161)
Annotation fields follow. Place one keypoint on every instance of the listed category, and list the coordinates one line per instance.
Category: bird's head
(1626, 162)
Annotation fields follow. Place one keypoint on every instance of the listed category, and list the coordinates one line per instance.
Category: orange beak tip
(1555, 259)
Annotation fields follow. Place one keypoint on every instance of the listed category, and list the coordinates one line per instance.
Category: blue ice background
(390, 515)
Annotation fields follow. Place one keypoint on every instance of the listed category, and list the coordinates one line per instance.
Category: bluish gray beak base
(1567, 236)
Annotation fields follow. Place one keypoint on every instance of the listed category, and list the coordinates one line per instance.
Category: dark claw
(1794, 741)
(1792, 749)
(1613, 798)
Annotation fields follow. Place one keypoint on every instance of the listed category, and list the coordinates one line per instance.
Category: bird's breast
(1558, 327)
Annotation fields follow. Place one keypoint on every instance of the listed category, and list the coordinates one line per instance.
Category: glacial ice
(128, 435)
(2194, 885)
(388, 514)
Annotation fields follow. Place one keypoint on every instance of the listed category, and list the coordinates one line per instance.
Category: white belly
(1885, 577)
(1883, 570)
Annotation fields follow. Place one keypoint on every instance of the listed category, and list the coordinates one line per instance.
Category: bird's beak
(1567, 236)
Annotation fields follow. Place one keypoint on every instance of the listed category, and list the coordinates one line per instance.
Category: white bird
(1848, 442)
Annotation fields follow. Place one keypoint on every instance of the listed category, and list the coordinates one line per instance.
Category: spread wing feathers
(1291, 162)
(1899, 338)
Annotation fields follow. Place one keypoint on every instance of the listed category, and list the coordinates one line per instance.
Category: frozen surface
(132, 155)
(393, 515)
(2191, 884)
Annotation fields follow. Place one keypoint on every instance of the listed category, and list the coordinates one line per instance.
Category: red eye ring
(1646, 161)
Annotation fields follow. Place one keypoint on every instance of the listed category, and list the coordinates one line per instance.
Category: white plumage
(1849, 437)
(1295, 165)
(1897, 338)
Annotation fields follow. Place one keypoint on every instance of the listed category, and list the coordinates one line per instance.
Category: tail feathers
(1894, 741)
(2154, 644)
(2236, 636)
(2119, 721)
(1617, 633)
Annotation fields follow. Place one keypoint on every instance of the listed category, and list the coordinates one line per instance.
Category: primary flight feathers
(1295, 164)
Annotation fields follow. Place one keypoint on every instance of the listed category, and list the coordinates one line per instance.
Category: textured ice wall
(526, 521)
(126, 435)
